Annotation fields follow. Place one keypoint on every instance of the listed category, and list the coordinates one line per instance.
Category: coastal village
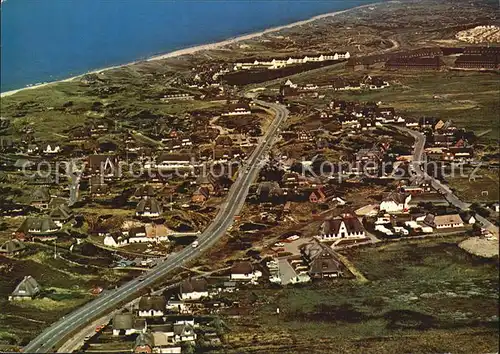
(352, 169)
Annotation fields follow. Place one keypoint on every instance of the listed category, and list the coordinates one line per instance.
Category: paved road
(449, 195)
(224, 219)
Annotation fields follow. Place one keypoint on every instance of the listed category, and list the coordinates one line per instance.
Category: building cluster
(199, 160)
(416, 209)
(289, 89)
(480, 34)
(431, 58)
(183, 315)
(307, 260)
(445, 142)
(278, 63)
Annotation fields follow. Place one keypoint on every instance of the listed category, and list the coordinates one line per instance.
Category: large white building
(346, 226)
(396, 203)
(281, 63)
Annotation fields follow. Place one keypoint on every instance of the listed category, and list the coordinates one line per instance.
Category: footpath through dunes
(68, 325)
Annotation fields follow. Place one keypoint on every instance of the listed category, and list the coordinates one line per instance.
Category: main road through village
(53, 335)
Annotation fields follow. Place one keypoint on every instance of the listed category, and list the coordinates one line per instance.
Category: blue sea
(48, 40)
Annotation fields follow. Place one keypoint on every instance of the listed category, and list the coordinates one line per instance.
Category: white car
(279, 244)
(194, 244)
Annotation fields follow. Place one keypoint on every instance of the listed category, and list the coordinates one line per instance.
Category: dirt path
(359, 276)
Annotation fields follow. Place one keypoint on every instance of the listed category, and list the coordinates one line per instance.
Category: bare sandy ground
(480, 246)
(202, 47)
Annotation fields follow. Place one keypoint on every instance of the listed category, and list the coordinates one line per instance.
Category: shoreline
(201, 47)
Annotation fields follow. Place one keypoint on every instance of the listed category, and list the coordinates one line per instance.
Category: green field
(421, 297)
(484, 188)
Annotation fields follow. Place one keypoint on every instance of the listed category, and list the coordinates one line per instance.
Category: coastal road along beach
(58, 331)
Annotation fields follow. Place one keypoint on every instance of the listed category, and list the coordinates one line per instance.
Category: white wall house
(152, 306)
(193, 289)
(239, 111)
(444, 221)
(347, 226)
(244, 271)
(111, 241)
(280, 63)
(52, 149)
(395, 203)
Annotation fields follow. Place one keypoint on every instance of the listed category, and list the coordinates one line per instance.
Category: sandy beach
(202, 47)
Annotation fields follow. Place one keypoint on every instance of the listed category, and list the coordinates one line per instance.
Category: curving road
(50, 338)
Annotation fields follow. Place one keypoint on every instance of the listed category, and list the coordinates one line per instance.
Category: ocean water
(48, 40)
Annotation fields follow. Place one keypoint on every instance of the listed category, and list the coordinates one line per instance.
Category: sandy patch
(480, 246)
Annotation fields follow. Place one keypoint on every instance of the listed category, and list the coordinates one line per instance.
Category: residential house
(444, 221)
(412, 189)
(98, 189)
(439, 140)
(239, 109)
(127, 324)
(148, 207)
(193, 289)
(144, 191)
(244, 270)
(207, 180)
(40, 198)
(224, 141)
(61, 214)
(201, 195)
(27, 289)
(369, 155)
(42, 227)
(104, 166)
(51, 149)
(345, 226)
(461, 153)
(427, 122)
(396, 203)
(157, 232)
(136, 234)
(322, 194)
(12, 246)
(152, 306)
(439, 125)
(144, 343)
(184, 332)
(291, 180)
(411, 122)
(321, 260)
(114, 240)
(269, 191)
(304, 136)
(163, 339)
(32, 149)
(468, 218)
